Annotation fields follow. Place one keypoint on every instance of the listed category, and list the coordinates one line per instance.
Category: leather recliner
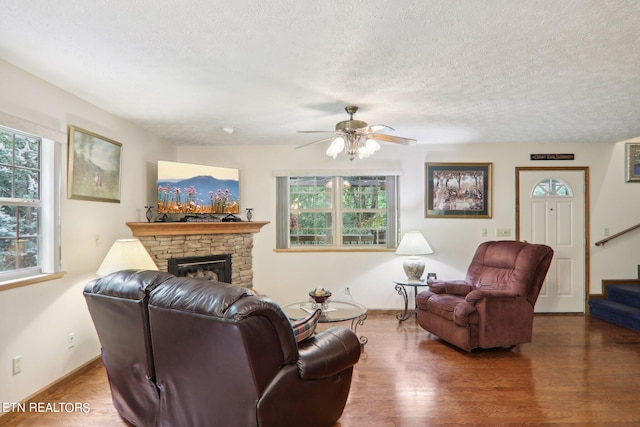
(494, 305)
(221, 355)
(118, 307)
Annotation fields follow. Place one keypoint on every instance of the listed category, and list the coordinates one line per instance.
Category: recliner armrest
(453, 287)
(475, 296)
(328, 353)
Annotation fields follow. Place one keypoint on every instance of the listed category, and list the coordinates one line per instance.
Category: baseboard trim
(43, 393)
(380, 312)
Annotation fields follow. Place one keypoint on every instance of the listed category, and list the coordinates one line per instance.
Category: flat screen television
(185, 188)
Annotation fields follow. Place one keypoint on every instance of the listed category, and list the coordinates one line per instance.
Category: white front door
(551, 210)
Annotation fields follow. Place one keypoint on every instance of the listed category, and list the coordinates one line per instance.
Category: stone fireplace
(171, 240)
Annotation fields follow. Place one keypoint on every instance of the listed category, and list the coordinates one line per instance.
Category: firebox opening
(212, 267)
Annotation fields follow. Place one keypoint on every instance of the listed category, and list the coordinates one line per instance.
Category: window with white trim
(29, 193)
(334, 211)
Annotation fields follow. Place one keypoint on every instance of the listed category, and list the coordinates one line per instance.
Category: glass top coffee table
(334, 311)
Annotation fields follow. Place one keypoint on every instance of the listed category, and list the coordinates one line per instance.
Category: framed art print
(632, 157)
(94, 166)
(458, 190)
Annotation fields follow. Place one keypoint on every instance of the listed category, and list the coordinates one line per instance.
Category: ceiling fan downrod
(351, 110)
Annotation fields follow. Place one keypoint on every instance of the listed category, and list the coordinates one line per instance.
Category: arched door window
(552, 187)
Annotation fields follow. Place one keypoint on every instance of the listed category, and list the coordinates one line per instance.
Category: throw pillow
(305, 328)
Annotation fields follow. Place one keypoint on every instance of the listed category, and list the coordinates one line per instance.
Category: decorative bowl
(318, 297)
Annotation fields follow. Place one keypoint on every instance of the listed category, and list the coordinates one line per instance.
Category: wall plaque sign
(552, 156)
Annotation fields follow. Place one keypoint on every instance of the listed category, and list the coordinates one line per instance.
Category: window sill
(31, 280)
(343, 249)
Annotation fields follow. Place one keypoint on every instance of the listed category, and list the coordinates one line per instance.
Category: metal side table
(401, 288)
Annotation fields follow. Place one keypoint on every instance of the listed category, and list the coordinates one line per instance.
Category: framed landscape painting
(633, 162)
(458, 190)
(94, 167)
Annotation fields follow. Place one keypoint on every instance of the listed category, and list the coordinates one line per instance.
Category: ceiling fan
(356, 138)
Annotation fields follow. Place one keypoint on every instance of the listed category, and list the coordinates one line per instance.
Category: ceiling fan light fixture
(357, 138)
(337, 145)
(353, 146)
(363, 147)
(364, 152)
(372, 145)
(331, 152)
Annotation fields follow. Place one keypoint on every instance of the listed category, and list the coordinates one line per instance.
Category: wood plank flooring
(577, 371)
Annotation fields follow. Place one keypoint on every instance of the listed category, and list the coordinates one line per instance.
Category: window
(28, 217)
(337, 212)
(552, 187)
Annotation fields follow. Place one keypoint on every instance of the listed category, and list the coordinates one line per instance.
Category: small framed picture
(633, 162)
(94, 167)
(458, 190)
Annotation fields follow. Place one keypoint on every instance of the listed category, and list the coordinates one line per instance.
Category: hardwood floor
(577, 371)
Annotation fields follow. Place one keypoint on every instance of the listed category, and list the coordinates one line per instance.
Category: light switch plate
(503, 232)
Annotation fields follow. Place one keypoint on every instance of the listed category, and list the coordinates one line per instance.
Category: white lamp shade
(126, 254)
(413, 243)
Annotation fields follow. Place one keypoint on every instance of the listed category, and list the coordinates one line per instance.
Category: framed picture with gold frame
(632, 157)
(458, 190)
(94, 167)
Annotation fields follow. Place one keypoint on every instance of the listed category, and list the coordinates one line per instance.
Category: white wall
(36, 319)
(287, 277)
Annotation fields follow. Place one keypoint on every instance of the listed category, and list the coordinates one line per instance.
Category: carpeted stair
(622, 306)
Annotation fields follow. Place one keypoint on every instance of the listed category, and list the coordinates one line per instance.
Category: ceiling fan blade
(378, 128)
(315, 142)
(316, 131)
(394, 139)
(367, 130)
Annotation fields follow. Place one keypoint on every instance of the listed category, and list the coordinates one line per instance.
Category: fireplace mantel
(191, 228)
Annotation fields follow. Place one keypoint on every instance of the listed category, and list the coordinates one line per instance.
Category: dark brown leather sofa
(493, 306)
(191, 352)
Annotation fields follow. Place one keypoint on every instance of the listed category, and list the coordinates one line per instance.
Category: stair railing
(603, 241)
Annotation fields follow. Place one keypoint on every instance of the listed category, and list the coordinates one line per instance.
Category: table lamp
(126, 254)
(413, 243)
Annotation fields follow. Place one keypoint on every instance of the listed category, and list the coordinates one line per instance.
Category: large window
(27, 205)
(348, 212)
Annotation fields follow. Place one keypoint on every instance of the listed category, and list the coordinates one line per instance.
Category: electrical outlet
(483, 232)
(17, 365)
(71, 340)
(347, 290)
(503, 232)
(606, 231)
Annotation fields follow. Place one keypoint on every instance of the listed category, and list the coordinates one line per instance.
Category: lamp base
(413, 268)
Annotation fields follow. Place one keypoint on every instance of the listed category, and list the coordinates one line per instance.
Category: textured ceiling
(437, 71)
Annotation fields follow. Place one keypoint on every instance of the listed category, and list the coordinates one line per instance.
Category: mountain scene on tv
(201, 194)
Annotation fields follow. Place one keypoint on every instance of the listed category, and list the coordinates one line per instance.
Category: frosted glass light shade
(413, 243)
(337, 145)
(126, 254)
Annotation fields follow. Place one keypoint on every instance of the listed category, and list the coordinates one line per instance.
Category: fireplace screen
(212, 267)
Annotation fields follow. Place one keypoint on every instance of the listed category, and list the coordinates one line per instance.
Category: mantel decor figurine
(149, 213)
